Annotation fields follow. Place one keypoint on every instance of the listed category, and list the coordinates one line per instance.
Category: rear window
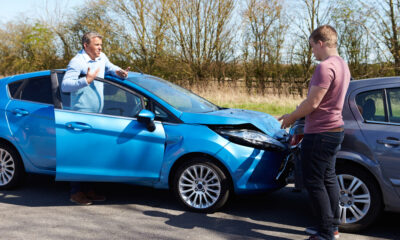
(33, 89)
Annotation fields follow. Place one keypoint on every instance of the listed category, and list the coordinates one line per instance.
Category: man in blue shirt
(87, 94)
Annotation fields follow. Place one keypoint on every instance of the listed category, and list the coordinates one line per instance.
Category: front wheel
(201, 186)
(360, 199)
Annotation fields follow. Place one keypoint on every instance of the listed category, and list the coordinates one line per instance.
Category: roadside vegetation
(225, 95)
(257, 48)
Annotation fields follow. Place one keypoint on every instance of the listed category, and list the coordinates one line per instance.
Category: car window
(176, 96)
(160, 114)
(32, 89)
(371, 105)
(117, 101)
(394, 104)
(120, 102)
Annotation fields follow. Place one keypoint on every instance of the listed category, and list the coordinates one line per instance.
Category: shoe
(80, 198)
(91, 195)
(316, 237)
(336, 232)
(314, 231)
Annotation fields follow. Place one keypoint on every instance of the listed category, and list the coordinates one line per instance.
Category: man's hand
(90, 76)
(287, 120)
(123, 73)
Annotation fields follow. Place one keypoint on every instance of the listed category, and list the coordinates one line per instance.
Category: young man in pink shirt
(323, 131)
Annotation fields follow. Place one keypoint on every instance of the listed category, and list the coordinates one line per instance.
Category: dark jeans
(318, 157)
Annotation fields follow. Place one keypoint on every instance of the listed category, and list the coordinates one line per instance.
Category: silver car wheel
(355, 198)
(7, 167)
(199, 186)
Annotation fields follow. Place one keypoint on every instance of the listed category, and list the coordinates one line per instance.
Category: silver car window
(371, 105)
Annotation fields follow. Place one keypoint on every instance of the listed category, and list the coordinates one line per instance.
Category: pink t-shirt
(332, 74)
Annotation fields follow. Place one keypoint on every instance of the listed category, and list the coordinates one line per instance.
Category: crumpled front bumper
(252, 170)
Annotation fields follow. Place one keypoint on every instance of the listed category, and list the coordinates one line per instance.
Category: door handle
(390, 142)
(78, 126)
(20, 112)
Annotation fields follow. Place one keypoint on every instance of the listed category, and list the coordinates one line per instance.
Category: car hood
(265, 122)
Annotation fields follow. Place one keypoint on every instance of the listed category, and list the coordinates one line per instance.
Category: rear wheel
(360, 199)
(11, 169)
(201, 186)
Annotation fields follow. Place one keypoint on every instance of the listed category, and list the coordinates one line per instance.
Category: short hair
(88, 36)
(326, 34)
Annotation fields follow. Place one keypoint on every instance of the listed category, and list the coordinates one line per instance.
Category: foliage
(260, 44)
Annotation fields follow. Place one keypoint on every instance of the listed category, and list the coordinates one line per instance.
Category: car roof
(28, 75)
(354, 84)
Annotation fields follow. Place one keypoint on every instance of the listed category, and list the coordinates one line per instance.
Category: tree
(145, 27)
(350, 21)
(199, 31)
(311, 13)
(386, 14)
(263, 40)
(26, 46)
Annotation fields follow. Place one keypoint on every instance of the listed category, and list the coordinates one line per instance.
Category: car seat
(369, 109)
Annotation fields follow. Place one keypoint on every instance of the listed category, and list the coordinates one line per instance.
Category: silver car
(368, 164)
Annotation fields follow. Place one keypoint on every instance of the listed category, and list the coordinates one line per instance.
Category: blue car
(150, 132)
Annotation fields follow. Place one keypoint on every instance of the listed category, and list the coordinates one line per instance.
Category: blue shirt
(84, 97)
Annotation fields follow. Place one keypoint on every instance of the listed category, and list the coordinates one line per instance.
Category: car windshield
(176, 96)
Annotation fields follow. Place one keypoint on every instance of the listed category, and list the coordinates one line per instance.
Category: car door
(30, 115)
(380, 110)
(110, 145)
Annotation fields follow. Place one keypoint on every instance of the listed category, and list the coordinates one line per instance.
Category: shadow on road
(222, 225)
(283, 207)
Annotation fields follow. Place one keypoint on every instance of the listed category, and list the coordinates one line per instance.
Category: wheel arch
(188, 156)
(11, 145)
(355, 164)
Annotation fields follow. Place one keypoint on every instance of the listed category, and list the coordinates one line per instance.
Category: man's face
(316, 49)
(93, 49)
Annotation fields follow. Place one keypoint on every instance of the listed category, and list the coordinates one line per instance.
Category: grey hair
(88, 36)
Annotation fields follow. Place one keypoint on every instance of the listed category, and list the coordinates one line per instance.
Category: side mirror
(146, 117)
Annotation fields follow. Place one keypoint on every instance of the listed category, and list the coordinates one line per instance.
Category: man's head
(91, 43)
(323, 41)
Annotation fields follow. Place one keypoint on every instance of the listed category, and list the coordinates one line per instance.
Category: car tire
(367, 204)
(11, 167)
(201, 186)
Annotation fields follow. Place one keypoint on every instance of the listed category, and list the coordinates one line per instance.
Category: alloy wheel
(199, 186)
(355, 198)
(7, 167)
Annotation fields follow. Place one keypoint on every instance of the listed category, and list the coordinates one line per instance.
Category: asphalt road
(41, 210)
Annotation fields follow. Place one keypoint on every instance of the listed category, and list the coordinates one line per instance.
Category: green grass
(270, 108)
(239, 97)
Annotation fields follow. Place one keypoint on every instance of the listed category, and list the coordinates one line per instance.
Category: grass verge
(238, 97)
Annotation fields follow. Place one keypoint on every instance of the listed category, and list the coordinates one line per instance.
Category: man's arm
(115, 70)
(71, 81)
(110, 68)
(312, 101)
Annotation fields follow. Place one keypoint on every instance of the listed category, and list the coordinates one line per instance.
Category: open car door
(109, 146)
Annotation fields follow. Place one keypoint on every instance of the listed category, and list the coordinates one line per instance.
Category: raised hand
(90, 76)
(123, 73)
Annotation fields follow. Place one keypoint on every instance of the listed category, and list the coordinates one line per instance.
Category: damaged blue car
(150, 132)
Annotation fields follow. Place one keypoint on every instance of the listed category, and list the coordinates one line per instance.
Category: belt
(339, 129)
